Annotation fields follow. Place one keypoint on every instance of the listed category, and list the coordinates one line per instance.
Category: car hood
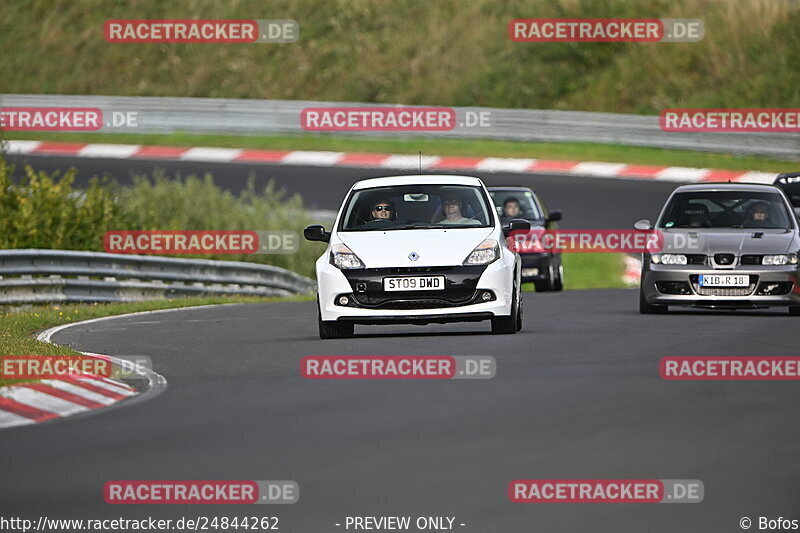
(737, 241)
(434, 247)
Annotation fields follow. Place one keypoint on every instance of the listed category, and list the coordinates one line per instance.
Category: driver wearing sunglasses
(381, 213)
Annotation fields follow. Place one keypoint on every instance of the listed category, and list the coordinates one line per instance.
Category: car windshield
(726, 209)
(515, 204)
(406, 207)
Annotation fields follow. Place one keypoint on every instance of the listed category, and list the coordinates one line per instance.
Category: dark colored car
(789, 183)
(543, 269)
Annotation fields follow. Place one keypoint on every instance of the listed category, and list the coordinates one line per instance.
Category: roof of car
(417, 179)
(755, 187)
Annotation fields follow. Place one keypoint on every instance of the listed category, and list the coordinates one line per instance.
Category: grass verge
(611, 153)
(17, 327)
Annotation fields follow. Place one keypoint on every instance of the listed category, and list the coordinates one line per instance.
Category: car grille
(751, 259)
(696, 259)
(416, 299)
(723, 291)
(724, 259)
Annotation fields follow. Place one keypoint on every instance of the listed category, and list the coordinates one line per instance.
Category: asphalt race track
(577, 395)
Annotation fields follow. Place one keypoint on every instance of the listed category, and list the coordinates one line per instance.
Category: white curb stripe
(79, 391)
(21, 147)
(312, 158)
(683, 174)
(503, 164)
(109, 151)
(10, 419)
(43, 401)
(210, 154)
(409, 161)
(757, 177)
(598, 168)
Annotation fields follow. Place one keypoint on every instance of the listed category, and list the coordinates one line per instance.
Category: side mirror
(316, 233)
(554, 216)
(643, 225)
(519, 224)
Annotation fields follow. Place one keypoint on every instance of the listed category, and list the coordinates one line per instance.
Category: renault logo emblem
(413, 256)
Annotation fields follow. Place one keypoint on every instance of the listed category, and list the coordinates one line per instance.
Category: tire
(548, 284)
(649, 309)
(508, 325)
(558, 282)
(333, 329)
(794, 310)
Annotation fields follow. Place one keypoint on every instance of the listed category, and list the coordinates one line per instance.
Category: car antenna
(420, 162)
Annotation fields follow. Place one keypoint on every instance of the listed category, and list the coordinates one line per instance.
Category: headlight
(486, 252)
(783, 259)
(668, 259)
(343, 258)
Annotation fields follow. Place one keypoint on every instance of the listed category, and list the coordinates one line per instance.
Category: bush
(47, 211)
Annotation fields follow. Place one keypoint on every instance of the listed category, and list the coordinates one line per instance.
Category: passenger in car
(451, 206)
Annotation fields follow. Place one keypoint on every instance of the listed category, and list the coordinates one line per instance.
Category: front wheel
(511, 324)
(329, 329)
(558, 282)
(650, 309)
(794, 310)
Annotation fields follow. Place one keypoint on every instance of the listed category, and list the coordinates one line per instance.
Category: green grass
(447, 52)
(17, 328)
(591, 271)
(448, 147)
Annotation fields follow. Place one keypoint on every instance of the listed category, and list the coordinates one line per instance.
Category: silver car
(725, 246)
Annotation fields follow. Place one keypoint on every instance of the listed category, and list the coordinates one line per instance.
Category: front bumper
(537, 267)
(678, 286)
(462, 300)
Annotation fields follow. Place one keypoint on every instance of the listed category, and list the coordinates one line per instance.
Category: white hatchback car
(417, 250)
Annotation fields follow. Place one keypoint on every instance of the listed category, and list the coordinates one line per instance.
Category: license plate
(729, 280)
(415, 283)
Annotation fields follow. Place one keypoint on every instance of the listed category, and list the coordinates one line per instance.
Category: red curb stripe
(68, 396)
(261, 155)
(722, 175)
(119, 384)
(24, 410)
(159, 152)
(552, 165)
(94, 388)
(362, 159)
(640, 171)
(58, 148)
